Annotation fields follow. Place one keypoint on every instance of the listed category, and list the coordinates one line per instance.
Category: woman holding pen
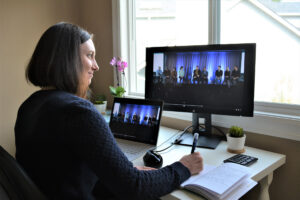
(63, 142)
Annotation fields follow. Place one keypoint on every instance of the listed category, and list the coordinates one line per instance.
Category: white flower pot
(101, 107)
(236, 145)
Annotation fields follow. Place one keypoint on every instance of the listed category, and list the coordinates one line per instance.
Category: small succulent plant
(236, 131)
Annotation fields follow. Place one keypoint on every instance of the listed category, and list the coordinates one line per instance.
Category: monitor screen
(212, 79)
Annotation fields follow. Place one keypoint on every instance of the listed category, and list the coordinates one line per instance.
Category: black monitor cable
(176, 141)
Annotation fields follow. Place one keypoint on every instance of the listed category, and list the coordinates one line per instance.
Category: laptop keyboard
(133, 150)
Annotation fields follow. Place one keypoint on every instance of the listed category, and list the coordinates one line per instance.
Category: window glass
(275, 28)
(166, 23)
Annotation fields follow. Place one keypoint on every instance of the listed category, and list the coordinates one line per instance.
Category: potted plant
(100, 103)
(236, 140)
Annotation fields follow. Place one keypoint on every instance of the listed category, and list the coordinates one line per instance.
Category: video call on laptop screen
(136, 120)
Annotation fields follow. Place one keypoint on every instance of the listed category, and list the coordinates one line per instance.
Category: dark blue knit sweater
(67, 148)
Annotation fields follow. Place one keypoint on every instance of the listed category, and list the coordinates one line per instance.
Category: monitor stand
(206, 138)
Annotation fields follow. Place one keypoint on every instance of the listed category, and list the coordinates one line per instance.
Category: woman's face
(87, 55)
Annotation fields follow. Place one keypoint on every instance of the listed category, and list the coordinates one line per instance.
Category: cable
(156, 151)
(176, 141)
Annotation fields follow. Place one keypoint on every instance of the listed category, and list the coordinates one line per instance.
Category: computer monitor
(204, 80)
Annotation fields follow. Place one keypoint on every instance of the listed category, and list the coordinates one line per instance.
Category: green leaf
(117, 91)
(112, 90)
(98, 102)
(100, 97)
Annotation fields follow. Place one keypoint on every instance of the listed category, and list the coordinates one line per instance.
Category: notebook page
(242, 189)
(221, 178)
(193, 179)
(239, 187)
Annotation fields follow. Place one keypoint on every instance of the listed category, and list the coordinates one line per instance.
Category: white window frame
(279, 120)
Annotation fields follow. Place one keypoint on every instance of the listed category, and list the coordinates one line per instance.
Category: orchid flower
(113, 62)
(122, 66)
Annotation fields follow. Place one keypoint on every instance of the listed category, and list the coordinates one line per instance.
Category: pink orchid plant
(120, 66)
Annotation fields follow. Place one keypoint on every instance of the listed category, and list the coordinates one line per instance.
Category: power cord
(157, 151)
(176, 141)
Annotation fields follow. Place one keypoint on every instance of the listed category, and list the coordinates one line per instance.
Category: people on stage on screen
(235, 75)
(204, 76)
(196, 75)
(227, 80)
(174, 75)
(181, 74)
(218, 74)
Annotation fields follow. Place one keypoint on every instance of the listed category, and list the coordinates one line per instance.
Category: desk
(263, 169)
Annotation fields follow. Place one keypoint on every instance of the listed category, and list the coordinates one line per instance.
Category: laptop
(135, 125)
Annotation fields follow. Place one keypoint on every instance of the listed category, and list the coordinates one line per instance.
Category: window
(273, 25)
(276, 31)
(166, 23)
(275, 28)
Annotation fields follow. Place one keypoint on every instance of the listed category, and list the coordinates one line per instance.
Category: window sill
(277, 125)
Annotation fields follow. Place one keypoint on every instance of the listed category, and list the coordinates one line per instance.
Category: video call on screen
(137, 121)
(212, 78)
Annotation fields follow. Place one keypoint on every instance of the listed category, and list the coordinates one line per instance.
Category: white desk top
(266, 164)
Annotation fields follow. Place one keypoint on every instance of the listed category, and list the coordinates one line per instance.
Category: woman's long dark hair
(56, 59)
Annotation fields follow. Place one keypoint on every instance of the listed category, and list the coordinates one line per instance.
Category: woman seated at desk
(62, 141)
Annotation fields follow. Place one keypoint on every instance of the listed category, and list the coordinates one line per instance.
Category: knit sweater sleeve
(88, 135)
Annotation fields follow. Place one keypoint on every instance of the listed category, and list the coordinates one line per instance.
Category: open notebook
(228, 181)
(135, 125)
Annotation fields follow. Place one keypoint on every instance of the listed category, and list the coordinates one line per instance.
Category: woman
(65, 145)
(181, 74)
(227, 77)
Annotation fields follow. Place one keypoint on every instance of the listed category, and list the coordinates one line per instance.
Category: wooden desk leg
(264, 187)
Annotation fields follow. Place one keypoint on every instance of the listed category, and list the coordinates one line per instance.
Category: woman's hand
(144, 168)
(194, 162)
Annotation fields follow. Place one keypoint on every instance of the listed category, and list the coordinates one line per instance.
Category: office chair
(15, 184)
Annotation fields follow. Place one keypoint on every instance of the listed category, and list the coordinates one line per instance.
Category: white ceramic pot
(236, 143)
(101, 107)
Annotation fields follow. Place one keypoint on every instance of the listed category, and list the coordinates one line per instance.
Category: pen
(196, 135)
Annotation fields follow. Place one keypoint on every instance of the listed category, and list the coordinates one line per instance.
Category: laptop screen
(136, 119)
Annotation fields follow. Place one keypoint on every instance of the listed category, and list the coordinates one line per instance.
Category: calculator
(242, 159)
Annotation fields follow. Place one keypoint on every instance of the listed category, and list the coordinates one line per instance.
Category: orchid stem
(118, 84)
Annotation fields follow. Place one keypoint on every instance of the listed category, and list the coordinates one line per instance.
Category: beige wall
(21, 25)
(286, 179)
(97, 18)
